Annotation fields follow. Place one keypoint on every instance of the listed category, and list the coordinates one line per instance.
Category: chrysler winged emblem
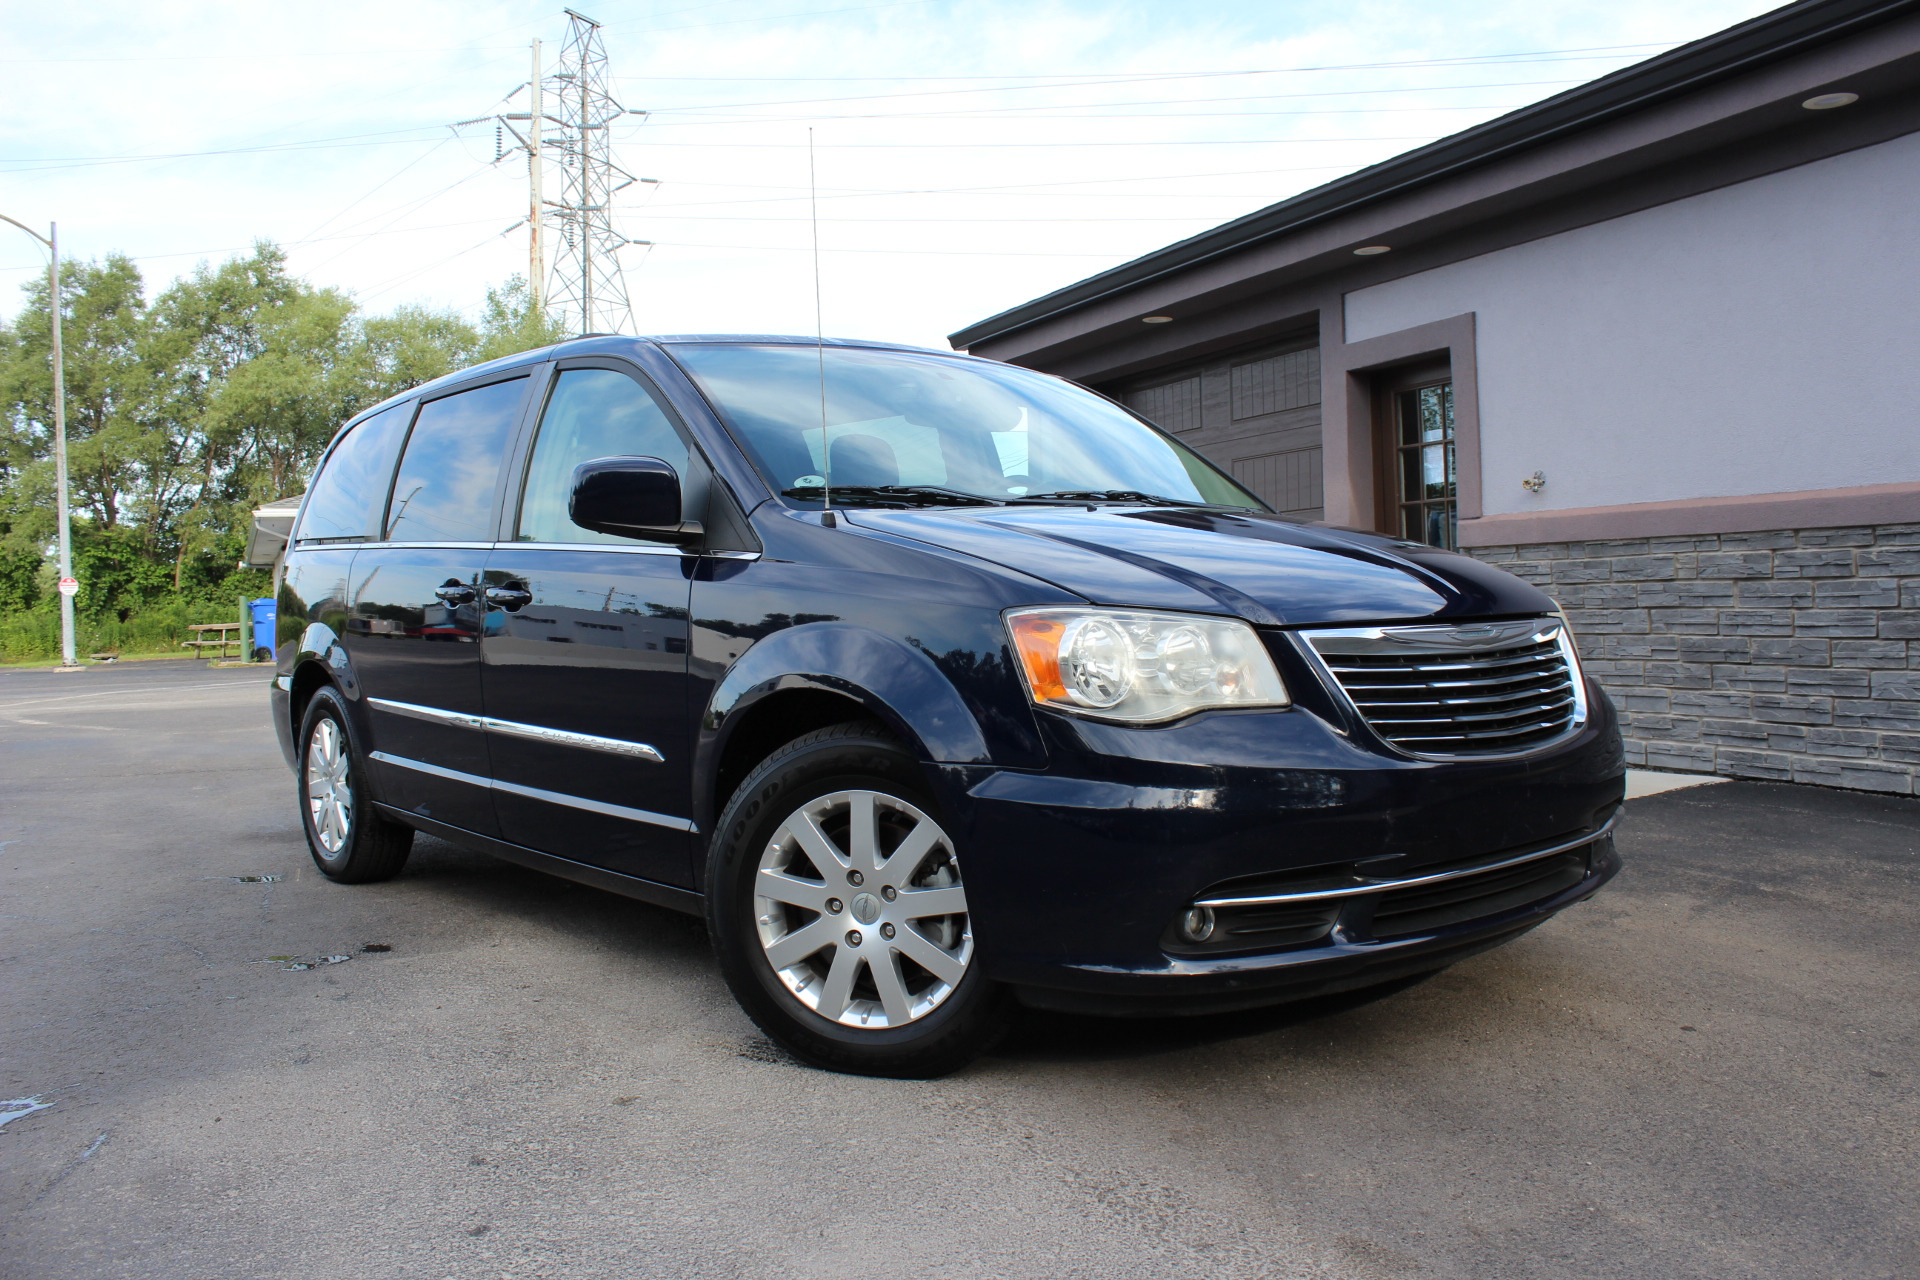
(1472, 635)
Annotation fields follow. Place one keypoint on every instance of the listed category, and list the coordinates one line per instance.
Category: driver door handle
(454, 593)
(508, 598)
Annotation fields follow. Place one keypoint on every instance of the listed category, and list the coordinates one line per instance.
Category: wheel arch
(321, 661)
(807, 677)
(308, 677)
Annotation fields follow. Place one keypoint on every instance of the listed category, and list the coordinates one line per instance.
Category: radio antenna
(819, 332)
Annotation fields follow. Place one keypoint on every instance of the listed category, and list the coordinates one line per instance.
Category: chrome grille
(1480, 689)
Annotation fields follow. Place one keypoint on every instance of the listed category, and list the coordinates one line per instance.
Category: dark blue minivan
(936, 684)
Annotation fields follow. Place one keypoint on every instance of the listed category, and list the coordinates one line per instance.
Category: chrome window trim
(1411, 882)
(621, 548)
(513, 728)
(638, 549)
(426, 546)
(1438, 641)
(535, 793)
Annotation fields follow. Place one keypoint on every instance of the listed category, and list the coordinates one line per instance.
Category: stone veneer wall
(1790, 655)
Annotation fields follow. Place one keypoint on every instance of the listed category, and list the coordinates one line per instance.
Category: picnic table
(230, 635)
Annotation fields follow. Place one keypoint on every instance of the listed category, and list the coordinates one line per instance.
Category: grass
(32, 638)
(29, 664)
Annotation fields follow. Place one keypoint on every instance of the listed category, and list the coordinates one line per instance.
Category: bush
(159, 627)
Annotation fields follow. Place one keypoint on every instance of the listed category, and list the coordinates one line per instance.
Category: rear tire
(351, 842)
(836, 907)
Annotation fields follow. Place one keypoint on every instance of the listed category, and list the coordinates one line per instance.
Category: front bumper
(1075, 875)
(1348, 961)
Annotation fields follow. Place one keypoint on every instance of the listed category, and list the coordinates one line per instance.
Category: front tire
(349, 840)
(838, 912)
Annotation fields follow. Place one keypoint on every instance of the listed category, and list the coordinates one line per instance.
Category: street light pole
(68, 660)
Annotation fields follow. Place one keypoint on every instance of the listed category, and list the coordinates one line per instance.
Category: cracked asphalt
(1707, 1071)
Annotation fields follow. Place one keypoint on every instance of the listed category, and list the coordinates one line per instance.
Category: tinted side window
(592, 413)
(344, 500)
(444, 492)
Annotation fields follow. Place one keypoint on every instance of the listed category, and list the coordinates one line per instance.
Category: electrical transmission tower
(573, 262)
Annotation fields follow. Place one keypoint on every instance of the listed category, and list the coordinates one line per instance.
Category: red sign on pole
(69, 586)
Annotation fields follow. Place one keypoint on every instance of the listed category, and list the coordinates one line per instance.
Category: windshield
(960, 430)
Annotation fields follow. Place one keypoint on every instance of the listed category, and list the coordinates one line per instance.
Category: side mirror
(630, 497)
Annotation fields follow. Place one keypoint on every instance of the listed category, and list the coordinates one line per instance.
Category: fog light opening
(1197, 924)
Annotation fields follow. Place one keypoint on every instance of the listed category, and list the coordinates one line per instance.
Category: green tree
(261, 368)
(412, 346)
(109, 386)
(185, 414)
(510, 323)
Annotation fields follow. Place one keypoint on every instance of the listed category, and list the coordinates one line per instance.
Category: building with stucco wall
(1646, 343)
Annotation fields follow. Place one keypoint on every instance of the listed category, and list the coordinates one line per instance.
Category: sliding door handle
(454, 593)
(508, 598)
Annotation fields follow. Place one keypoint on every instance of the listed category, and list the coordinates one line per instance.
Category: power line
(384, 138)
(1259, 97)
(1588, 53)
(980, 113)
(360, 237)
(242, 248)
(355, 202)
(781, 17)
(390, 285)
(923, 253)
(994, 146)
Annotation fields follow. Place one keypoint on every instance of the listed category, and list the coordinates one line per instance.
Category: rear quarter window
(346, 499)
(445, 488)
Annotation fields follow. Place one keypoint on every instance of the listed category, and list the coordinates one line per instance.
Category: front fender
(897, 683)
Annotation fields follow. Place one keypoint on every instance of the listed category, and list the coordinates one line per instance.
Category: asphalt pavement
(1709, 1070)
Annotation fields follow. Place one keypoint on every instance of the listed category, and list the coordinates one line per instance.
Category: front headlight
(1141, 667)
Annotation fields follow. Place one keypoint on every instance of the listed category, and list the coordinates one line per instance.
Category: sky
(965, 158)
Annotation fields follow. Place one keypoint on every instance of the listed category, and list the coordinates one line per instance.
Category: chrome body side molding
(536, 793)
(538, 733)
(433, 715)
(567, 738)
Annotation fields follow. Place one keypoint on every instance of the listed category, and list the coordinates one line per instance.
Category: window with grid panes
(1425, 479)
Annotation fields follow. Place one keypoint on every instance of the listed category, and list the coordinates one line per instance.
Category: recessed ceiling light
(1828, 101)
(1372, 250)
(1156, 319)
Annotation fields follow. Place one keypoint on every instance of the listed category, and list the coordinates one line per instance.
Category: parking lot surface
(1709, 1070)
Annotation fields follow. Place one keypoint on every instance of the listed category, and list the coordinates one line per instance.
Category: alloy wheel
(860, 910)
(329, 792)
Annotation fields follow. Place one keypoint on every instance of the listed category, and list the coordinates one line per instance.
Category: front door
(414, 633)
(584, 659)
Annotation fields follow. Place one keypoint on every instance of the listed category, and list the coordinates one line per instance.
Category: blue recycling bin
(263, 625)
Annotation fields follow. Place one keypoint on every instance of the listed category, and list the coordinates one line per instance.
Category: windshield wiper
(1110, 495)
(903, 494)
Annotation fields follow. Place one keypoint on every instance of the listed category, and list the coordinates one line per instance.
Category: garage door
(1256, 414)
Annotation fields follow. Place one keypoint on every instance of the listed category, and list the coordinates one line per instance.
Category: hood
(1265, 569)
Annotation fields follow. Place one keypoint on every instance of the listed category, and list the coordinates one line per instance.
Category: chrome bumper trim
(1411, 882)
